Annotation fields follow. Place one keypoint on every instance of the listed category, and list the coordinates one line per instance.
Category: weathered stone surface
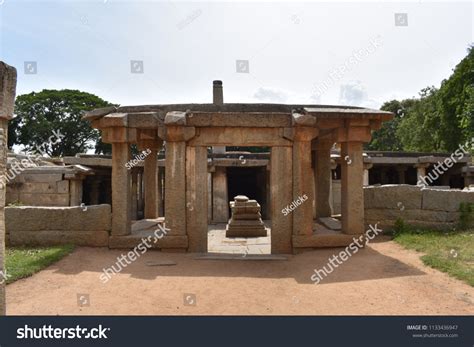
(7, 99)
(323, 240)
(252, 225)
(114, 120)
(91, 238)
(7, 90)
(331, 223)
(175, 118)
(99, 112)
(392, 197)
(394, 214)
(28, 218)
(43, 199)
(445, 200)
(303, 119)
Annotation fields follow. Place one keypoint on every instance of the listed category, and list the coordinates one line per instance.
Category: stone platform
(246, 220)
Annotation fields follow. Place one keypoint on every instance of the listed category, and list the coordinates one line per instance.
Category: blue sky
(292, 49)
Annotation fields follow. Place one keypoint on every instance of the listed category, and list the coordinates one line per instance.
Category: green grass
(23, 262)
(450, 252)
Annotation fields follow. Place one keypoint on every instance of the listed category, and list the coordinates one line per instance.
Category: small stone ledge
(322, 240)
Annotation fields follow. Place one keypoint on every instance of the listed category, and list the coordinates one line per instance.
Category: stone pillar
(7, 100)
(401, 174)
(220, 199)
(140, 201)
(121, 209)
(196, 198)
(421, 174)
(367, 167)
(160, 197)
(75, 192)
(175, 196)
(209, 197)
(322, 172)
(281, 195)
(134, 194)
(94, 191)
(352, 194)
(302, 188)
(151, 209)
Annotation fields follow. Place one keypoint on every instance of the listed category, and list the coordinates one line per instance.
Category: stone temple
(299, 139)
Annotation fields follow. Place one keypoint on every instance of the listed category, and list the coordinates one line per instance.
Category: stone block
(91, 238)
(41, 177)
(392, 197)
(445, 200)
(62, 187)
(31, 199)
(394, 214)
(29, 218)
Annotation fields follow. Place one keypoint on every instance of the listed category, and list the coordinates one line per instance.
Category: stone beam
(239, 137)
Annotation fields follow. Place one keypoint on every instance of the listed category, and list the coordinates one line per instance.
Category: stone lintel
(239, 136)
(99, 113)
(145, 120)
(176, 133)
(119, 135)
(353, 134)
(303, 119)
(175, 118)
(114, 120)
(330, 123)
(421, 165)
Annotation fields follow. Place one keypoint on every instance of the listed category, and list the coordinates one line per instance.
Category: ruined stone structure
(7, 97)
(297, 135)
(246, 220)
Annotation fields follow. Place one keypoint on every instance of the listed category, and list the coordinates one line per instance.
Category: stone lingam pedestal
(246, 220)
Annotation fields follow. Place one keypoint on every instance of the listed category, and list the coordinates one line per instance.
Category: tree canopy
(37, 115)
(438, 121)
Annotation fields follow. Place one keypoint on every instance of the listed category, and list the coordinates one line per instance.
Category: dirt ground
(381, 279)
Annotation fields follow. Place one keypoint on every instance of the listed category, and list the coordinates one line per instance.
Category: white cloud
(271, 95)
(353, 93)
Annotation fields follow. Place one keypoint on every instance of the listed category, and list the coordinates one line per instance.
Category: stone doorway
(251, 182)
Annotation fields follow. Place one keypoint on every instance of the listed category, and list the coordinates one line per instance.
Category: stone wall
(425, 207)
(7, 100)
(39, 189)
(82, 226)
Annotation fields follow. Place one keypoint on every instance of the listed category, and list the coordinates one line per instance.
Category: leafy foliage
(39, 114)
(438, 121)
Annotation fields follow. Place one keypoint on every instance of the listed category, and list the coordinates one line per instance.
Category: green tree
(418, 130)
(37, 115)
(456, 105)
(438, 121)
(385, 139)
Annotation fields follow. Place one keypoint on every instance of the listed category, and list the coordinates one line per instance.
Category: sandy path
(383, 278)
